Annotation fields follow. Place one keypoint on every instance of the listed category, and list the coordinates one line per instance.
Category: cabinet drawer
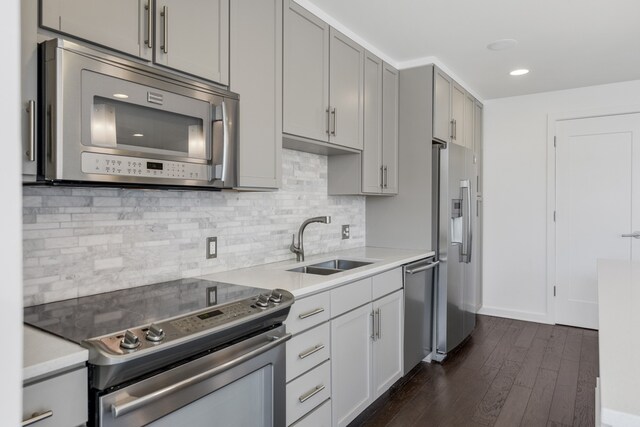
(350, 296)
(308, 391)
(319, 417)
(65, 396)
(307, 350)
(308, 312)
(387, 282)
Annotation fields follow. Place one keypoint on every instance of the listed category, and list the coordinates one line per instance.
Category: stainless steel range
(179, 352)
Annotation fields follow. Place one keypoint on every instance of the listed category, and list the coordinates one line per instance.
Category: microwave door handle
(225, 142)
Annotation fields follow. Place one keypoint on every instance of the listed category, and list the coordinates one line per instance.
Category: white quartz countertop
(46, 354)
(275, 275)
(619, 346)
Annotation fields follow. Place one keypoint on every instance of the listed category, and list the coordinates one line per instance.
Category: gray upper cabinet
(390, 99)
(306, 74)
(256, 40)
(469, 134)
(458, 95)
(372, 169)
(477, 148)
(346, 64)
(29, 88)
(323, 82)
(191, 37)
(117, 24)
(442, 125)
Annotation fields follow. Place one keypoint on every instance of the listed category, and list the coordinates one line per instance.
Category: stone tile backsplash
(83, 241)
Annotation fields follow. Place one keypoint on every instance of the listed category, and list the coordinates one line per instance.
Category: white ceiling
(565, 43)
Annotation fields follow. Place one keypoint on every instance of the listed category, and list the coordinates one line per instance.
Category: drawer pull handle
(311, 313)
(308, 353)
(37, 417)
(308, 395)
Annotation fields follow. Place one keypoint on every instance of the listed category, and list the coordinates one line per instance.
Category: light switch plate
(345, 232)
(212, 247)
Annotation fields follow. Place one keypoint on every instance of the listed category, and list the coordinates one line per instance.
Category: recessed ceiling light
(502, 44)
(120, 96)
(519, 72)
(138, 134)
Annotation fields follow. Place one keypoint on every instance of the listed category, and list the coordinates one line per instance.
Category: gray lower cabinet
(256, 38)
(58, 401)
(322, 82)
(191, 37)
(375, 170)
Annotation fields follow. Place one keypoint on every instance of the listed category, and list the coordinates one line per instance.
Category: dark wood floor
(509, 373)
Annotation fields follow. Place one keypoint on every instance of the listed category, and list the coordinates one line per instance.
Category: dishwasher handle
(422, 268)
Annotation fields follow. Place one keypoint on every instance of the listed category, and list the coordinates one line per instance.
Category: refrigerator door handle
(466, 236)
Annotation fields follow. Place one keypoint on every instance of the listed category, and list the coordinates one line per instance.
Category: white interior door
(597, 201)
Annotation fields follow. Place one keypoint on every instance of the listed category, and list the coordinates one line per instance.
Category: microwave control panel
(109, 164)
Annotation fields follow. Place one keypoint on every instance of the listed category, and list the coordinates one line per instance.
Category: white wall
(515, 179)
(10, 218)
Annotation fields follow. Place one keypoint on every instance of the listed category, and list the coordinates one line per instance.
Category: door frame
(552, 121)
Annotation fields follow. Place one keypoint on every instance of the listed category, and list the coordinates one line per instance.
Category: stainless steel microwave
(111, 121)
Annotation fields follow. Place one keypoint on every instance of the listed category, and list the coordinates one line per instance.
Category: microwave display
(154, 166)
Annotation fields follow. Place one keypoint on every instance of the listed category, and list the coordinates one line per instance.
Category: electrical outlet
(212, 247)
(345, 232)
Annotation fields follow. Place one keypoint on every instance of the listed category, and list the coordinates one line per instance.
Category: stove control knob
(155, 333)
(263, 301)
(130, 341)
(276, 297)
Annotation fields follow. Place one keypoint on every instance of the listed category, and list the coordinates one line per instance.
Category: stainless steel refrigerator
(454, 213)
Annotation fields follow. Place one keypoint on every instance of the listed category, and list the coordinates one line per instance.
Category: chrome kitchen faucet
(298, 249)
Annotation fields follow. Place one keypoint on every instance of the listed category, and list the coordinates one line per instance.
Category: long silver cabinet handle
(308, 395)
(335, 120)
(635, 235)
(149, 9)
(381, 176)
(328, 121)
(165, 36)
(379, 323)
(423, 268)
(37, 417)
(125, 408)
(31, 110)
(309, 352)
(310, 313)
(451, 124)
(386, 177)
(373, 325)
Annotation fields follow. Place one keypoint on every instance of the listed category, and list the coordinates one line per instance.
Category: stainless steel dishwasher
(418, 310)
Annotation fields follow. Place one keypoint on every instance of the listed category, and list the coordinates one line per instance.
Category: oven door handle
(124, 408)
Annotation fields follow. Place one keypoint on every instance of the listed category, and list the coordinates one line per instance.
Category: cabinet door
(256, 38)
(305, 74)
(29, 89)
(351, 364)
(458, 96)
(388, 342)
(193, 37)
(117, 24)
(441, 106)
(469, 113)
(477, 148)
(346, 91)
(372, 150)
(390, 86)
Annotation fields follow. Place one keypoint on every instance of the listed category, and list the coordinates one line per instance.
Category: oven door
(240, 385)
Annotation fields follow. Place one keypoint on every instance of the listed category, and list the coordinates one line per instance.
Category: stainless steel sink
(330, 267)
(310, 269)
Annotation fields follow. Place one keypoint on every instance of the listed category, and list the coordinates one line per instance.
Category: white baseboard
(527, 316)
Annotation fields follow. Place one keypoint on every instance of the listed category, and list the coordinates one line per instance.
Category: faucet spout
(298, 248)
